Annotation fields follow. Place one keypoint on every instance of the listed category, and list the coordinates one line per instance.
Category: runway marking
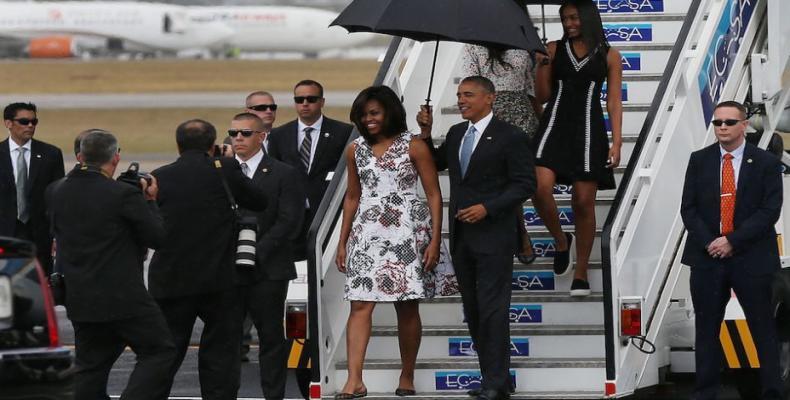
(200, 398)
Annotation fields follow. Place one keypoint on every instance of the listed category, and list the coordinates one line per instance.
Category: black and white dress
(391, 230)
(572, 139)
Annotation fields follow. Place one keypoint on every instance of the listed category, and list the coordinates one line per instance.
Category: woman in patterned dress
(572, 146)
(390, 239)
(513, 75)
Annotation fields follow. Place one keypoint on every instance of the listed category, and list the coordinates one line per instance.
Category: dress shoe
(563, 260)
(489, 394)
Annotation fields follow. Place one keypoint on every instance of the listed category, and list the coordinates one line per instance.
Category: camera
(132, 175)
(245, 246)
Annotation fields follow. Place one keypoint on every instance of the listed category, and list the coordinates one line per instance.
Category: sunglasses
(244, 132)
(26, 121)
(728, 122)
(310, 99)
(264, 107)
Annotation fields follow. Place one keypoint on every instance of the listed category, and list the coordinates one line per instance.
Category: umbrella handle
(433, 70)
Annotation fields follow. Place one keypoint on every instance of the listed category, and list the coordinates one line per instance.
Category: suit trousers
(710, 292)
(218, 357)
(265, 302)
(99, 344)
(300, 244)
(485, 282)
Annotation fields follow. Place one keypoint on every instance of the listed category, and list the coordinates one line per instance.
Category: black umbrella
(492, 23)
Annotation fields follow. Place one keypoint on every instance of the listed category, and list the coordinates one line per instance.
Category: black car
(33, 364)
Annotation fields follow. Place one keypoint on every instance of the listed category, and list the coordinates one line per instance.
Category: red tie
(727, 195)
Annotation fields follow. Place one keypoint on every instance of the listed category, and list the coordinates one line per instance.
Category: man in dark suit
(732, 197)
(265, 285)
(491, 174)
(27, 166)
(313, 144)
(193, 275)
(102, 228)
(261, 103)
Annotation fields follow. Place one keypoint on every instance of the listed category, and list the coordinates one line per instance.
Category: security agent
(265, 284)
(193, 275)
(100, 226)
(27, 166)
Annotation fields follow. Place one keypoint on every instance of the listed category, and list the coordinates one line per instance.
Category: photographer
(100, 226)
(193, 275)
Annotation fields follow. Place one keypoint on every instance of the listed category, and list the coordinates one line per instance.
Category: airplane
(278, 28)
(55, 29)
(62, 29)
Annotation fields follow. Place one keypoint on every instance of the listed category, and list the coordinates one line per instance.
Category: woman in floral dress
(390, 239)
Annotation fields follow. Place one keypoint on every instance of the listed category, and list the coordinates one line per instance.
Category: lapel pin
(326, 134)
(39, 156)
(488, 137)
(749, 160)
(265, 170)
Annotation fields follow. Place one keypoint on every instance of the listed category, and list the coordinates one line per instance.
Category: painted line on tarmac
(200, 398)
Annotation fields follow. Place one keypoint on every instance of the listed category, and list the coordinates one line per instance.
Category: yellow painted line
(748, 343)
(296, 353)
(727, 346)
(779, 244)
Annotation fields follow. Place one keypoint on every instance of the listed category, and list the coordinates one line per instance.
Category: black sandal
(527, 259)
(349, 396)
(405, 392)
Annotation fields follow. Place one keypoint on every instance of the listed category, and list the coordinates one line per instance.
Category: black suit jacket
(103, 228)
(46, 166)
(279, 224)
(758, 202)
(500, 175)
(198, 255)
(332, 142)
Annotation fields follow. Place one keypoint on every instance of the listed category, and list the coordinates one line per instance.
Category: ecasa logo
(628, 32)
(526, 313)
(464, 347)
(631, 61)
(463, 380)
(628, 6)
(544, 247)
(605, 92)
(532, 280)
(531, 217)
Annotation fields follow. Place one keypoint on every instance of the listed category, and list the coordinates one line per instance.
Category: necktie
(466, 148)
(304, 150)
(245, 169)
(21, 185)
(727, 195)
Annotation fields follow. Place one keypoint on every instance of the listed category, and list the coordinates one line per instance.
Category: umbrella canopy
(492, 23)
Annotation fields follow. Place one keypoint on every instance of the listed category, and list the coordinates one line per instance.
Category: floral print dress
(391, 230)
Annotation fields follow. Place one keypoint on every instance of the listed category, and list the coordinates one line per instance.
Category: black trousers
(99, 344)
(710, 292)
(43, 250)
(265, 302)
(218, 356)
(300, 244)
(485, 282)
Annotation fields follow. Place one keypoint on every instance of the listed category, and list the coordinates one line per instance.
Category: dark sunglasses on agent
(263, 107)
(26, 121)
(310, 99)
(728, 122)
(244, 132)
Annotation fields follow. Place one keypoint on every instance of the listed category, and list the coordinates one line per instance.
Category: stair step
(633, 7)
(528, 297)
(464, 396)
(624, 17)
(545, 264)
(462, 330)
(471, 364)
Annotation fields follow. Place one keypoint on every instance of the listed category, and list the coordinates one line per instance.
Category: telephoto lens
(245, 249)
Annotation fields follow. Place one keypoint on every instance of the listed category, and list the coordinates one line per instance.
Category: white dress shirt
(480, 126)
(315, 134)
(14, 153)
(737, 155)
(252, 163)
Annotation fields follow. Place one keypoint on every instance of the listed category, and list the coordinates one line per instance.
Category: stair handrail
(680, 75)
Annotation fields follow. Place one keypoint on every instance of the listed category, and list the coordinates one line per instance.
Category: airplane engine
(52, 47)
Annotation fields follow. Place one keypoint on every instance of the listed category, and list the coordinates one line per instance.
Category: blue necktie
(466, 148)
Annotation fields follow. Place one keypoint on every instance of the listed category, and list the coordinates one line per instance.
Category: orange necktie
(727, 194)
